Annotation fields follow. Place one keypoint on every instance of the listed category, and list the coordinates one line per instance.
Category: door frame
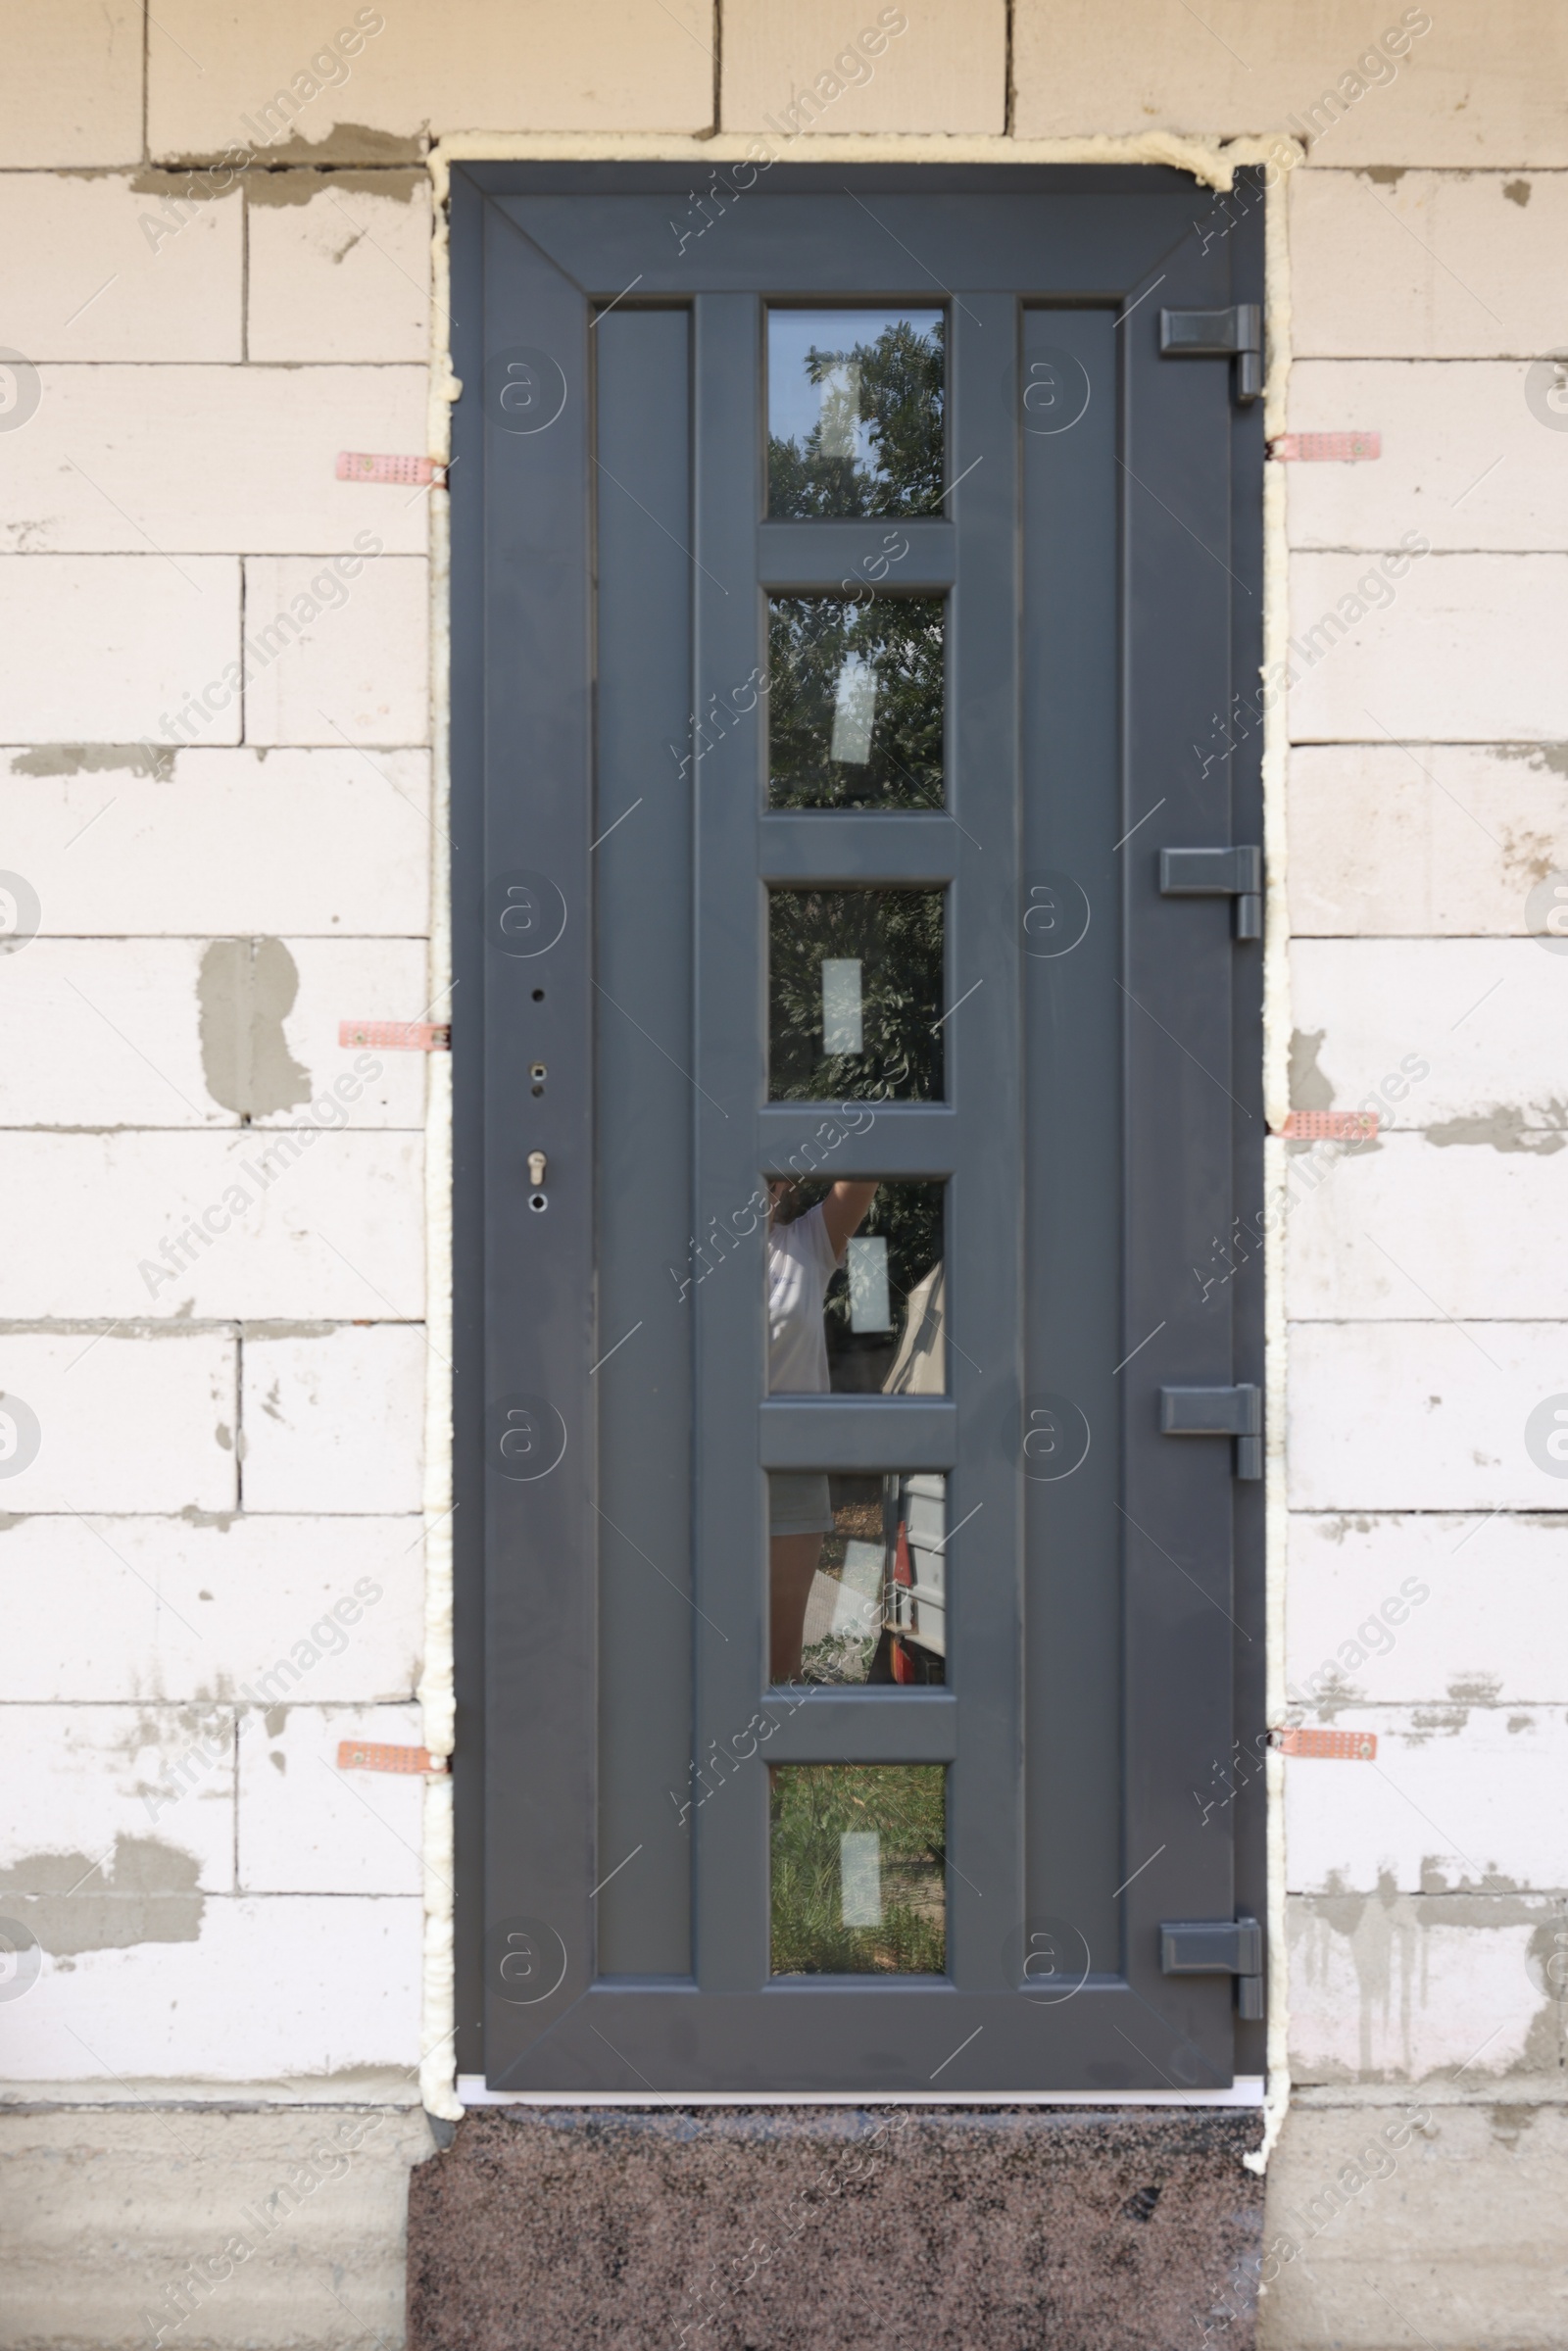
(1247, 1066)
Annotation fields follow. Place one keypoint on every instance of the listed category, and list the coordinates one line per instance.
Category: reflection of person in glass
(804, 1252)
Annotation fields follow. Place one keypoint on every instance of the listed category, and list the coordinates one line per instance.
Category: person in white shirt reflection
(804, 1252)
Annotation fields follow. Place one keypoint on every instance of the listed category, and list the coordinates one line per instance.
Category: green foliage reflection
(811, 1806)
(824, 653)
(876, 447)
(895, 937)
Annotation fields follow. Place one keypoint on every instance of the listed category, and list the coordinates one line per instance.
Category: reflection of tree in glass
(899, 642)
(811, 1806)
(895, 938)
(896, 385)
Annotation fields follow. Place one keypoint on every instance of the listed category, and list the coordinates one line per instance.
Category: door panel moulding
(1212, 163)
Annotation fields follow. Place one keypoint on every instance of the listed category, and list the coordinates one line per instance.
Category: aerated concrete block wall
(216, 707)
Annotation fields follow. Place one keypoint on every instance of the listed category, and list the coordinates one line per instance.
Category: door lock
(536, 1167)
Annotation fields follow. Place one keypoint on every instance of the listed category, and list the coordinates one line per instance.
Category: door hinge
(1236, 334)
(1218, 873)
(1217, 1948)
(1218, 1413)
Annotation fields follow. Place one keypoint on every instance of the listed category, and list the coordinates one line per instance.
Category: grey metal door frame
(1107, 1104)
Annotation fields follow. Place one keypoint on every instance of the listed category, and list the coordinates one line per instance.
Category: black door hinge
(1218, 1413)
(1217, 1948)
(1218, 873)
(1236, 334)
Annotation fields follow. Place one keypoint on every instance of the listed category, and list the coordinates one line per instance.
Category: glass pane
(854, 412)
(857, 1577)
(854, 701)
(854, 995)
(858, 1869)
(856, 1296)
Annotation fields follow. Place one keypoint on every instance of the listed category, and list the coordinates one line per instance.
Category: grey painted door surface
(848, 600)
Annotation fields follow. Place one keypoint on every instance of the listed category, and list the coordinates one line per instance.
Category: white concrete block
(211, 1226)
(1479, 1012)
(267, 1988)
(1427, 1606)
(358, 979)
(307, 1828)
(121, 268)
(1459, 650)
(340, 268)
(108, 2208)
(1415, 1231)
(205, 461)
(1457, 1799)
(1421, 1415)
(1464, 458)
(335, 1423)
(1392, 1986)
(103, 1034)
(70, 84)
(158, 626)
(816, 66)
(91, 826)
(197, 1032)
(171, 1609)
(122, 1422)
(372, 95)
(1474, 87)
(1422, 840)
(1426, 265)
(357, 672)
(79, 1838)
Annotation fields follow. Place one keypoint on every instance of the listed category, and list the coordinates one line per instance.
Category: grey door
(848, 600)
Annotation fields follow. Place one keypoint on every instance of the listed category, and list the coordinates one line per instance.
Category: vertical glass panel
(857, 1577)
(855, 401)
(858, 1869)
(843, 1014)
(854, 995)
(867, 1265)
(854, 701)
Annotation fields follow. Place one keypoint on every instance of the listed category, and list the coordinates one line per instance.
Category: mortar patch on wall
(344, 143)
(171, 184)
(146, 1893)
(1312, 1088)
(1545, 758)
(245, 992)
(1502, 1129)
(96, 758)
(270, 186)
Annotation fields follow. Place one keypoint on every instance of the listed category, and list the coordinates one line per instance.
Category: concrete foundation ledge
(1389, 2226)
(809, 2228)
(271, 2230)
